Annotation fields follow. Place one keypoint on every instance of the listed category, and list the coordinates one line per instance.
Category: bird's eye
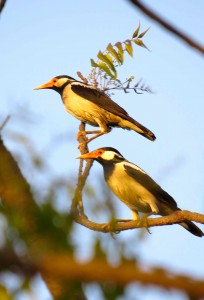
(100, 152)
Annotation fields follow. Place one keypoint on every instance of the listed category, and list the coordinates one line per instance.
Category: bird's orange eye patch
(100, 152)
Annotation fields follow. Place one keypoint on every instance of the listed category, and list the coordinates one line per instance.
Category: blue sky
(42, 39)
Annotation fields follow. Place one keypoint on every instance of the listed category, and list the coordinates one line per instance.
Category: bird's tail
(188, 225)
(130, 123)
(192, 228)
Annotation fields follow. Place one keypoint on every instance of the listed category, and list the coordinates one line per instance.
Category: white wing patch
(84, 85)
(134, 167)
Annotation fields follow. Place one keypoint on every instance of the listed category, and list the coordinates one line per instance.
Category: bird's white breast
(129, 191)
(85, 110)
(79, 107)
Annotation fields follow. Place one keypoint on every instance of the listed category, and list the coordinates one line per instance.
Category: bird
(135, 188)
(93, 106)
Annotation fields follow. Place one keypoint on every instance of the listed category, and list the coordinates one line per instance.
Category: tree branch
(114, 226)
(2, 5)
(181, 35)
(77, 202)
(65, 268)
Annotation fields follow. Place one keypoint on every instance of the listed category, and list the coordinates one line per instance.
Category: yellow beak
(47, 85)
(90, 155)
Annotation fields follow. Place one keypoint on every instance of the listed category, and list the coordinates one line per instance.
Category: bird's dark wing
(99, 98)
(146, 181)
(102, 100)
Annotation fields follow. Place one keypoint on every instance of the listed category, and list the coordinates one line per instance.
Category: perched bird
(136, 188)
(92, 106)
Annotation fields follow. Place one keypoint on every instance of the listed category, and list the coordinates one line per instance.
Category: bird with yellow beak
(135, 188)
(92, 106)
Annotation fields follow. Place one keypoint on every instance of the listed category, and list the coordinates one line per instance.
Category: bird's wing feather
(99, 98)
(146, 181)
(102, 100)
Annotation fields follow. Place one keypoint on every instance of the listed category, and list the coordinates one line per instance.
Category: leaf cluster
(114, 55)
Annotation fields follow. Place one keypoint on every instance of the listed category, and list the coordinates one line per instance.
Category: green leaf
(110, 59)
(112, 51)
(143, 33)
(128, 47)
(135, 34)
(93, 63)
(105, 68)
(120, 51)
(107, 59)
(140, 43)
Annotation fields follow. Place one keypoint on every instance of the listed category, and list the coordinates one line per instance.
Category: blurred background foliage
(47, 217)
(36, 224)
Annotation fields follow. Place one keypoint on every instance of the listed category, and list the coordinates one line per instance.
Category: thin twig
(150, 13)
(2, 5)
(82, 77)
(4, 122)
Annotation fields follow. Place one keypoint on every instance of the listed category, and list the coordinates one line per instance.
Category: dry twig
(2, 5)
(181, 35)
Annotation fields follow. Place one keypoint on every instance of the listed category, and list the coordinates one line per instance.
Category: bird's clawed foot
(143, 222)
(111, 226)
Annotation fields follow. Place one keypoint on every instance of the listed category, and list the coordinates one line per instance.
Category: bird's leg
(110, 227)
(91, 131)
(85, 132)
(95, 136)
(143, 222)
(135, 215)
(99, 133)
(103, 130)
(154, 211)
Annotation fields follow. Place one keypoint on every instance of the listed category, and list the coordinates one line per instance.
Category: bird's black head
(65, 76)
(57, 83)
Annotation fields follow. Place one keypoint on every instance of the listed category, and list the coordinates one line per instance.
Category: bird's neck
(108, 170)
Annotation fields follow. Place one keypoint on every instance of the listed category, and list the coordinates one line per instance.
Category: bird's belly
(131, 193)
(88, 112)
(81, 109)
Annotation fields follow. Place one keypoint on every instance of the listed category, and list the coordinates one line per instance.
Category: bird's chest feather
(80, 108)
(129, 191)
